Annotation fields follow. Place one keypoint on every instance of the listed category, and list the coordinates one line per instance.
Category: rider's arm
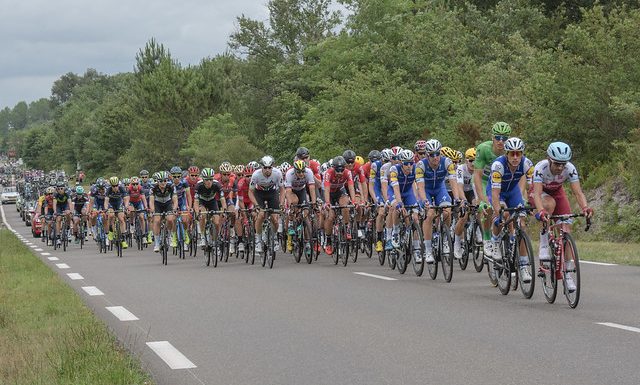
(577, 192)
(151, 203)
(477, 181)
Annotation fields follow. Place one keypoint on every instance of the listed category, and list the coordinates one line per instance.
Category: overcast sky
(43, 39)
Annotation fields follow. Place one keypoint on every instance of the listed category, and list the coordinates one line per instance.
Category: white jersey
(550, 183)
(464, 177)
(292, 181)
(384, 171)
(261, 182)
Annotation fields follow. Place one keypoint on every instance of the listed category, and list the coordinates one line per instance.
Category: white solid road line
(92, 290)
(170, 355)
(62, 265)
(618, 326)
(122, 314)
(75, 276)
(599, 263)
(375, 276)
(53, 258)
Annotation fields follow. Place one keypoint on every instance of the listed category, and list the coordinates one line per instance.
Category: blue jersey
(117, 193)
(506, 180)
(180, 188)
(397, 177)
(434, 179)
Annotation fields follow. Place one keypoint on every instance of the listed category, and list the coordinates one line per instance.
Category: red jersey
(366, 169)
(135, 194)
(357, 173)
(229, 189)
(315, 168)
(243, 191)
(335, 181)
(192, 186)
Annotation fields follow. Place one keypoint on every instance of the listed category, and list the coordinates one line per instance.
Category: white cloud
(43, 39)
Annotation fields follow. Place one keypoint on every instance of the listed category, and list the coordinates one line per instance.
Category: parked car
(9, 195)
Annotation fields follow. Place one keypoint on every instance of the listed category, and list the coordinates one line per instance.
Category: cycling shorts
(438, 196)
(511, 198)
(271, 197)
(165, 207)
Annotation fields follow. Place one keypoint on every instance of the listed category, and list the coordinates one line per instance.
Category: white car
(9, 195)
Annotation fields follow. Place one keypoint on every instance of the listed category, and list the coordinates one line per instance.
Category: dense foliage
(387, 72)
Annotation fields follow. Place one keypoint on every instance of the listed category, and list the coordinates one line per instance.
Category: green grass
(608, 252)
(47, 334)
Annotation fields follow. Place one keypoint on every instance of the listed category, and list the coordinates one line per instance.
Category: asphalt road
(324, 324)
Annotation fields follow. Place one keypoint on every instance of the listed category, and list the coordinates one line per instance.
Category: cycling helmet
(386, 154)
(302, 152)
(285, 166)
(448, 152)
(406, 155)
(349, 156)
(324, 167)
(374, 155)
(267, 161)
(339, 163)
(514, 144)
(135, 179)
(395, 152)
(239, 169)
(559, 152)
(501, 128)
(144, 173)
(114, 181)
(226, 167)
(50, 190)
(458, 157)
(126, 181)
(433, 145)
(299, 165)
(79, 190)
(164, 175)
(470, 154)
(207, 173)
(152, 181)
(193, 170)
(359, 160)
(251, 167)
(156, 175)
(421, 145)
(175, 170)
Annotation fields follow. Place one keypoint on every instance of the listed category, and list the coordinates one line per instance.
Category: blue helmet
(559, 152)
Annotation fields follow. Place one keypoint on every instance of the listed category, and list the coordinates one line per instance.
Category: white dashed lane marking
(170, 355)
(122, 314)
(75, 276)
(92, 290)
(618, 326)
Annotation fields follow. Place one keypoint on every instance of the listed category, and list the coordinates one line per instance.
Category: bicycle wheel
(270, 250)
(265, 245)
(524, 242)
(571, 270)
(392, 259)
(207, 245)
(81, 231)
(418, 266)
(477, 247)
(309, 243)
(344, 245)
(433, 267)
(298, 241)
(466, 246)
(405, 249)
(164, 245)
(369, 240)
(337, 240)
(504, 273)
(118, 239)
(446, 258)
(381, 257)
(180, 236)
(354, 244)
(64, 234)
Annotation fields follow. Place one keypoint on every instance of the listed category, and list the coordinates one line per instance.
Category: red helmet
(249, 168)
(395, 152)
(421, 145)
(193, 170)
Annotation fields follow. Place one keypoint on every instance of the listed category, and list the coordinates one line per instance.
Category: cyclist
(137, 202)
(549, 197)
(80, 202)
(205, 200)
(266, 188)
(45, 209)
(227, 180)
(509, 175)
(61, 206)
(244, 202)
(393, 157)
(163, 199)
(117, 200)
(184, 203)
(431, 173)
(193, 177)
(421, 150)
(335, 193)
(486, 153)
(360, 186)
(375, 192)
(297, 181)
(466, 189)
(402, 193)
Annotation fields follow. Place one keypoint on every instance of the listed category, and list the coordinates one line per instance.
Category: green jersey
(484, 160)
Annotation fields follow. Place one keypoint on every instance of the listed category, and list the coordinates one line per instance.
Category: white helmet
(514, 144)
(267, 161)
(433, 145)
(386, 154)
(406, 155)
(285, 166)
(559, 151)
(324, 167)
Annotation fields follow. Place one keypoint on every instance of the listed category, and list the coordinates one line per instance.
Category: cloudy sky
(43, 39)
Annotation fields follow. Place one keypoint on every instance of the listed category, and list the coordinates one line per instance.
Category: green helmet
(207, 173)
(501, 128)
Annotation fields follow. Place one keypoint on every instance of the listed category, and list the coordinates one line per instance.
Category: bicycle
(64, 233)
(82, 228)
(303, 238)
(382, 254)
(564, 261)
(366, 244)
(224, 236)
(164, 235)
(117, 234)
(511, 250)
(268, 238)
(138, 231)
(101, 236)
(340, 235)
(248, 234)
(440, 239)
(210, 239)
(472, 243)
(179, 249)
(406, 235)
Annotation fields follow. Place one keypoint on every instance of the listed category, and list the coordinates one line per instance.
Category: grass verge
(47, 334)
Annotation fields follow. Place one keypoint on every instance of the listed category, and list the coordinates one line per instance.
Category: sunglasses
(305, 157)
(226, 174)
(144, 177)
(267, 167)
(471, 160)
(207, 179)
(163, 180)
(194, 175)
(113, 185)
(351, 161)
(176, 176)
(422, 153)
(134, 184)
(407, 163)
(515, 153)
(434, 154)
(299, 171)
(500, 138)
(558, 164)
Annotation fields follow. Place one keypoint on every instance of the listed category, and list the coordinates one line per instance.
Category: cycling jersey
(434, 178)
(204, 194)
(163, 196)
(116, 194)
(296, 183)
(260, 182)
(135, 193)
(550, 183)
(243, 191)
(180, 189)
(484, 159)
(79, 200)
(464, 177)
(404, 182)
(336, 181)
(506, 180)
(62, 198)
(146, 188)
(193, 182)
(229, 188)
